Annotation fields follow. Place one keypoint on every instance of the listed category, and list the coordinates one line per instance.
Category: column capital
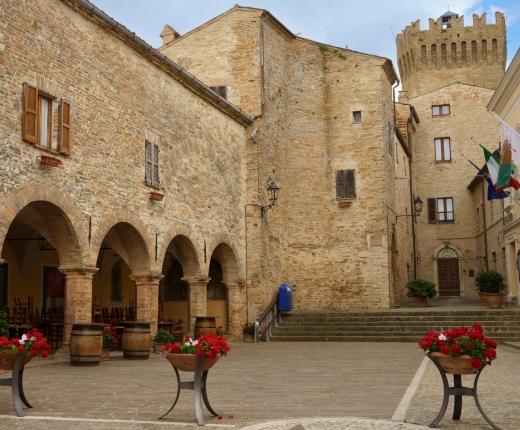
(194, 281)
(78, 272)
(146, 278)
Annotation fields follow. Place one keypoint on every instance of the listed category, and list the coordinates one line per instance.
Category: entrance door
(53, 288)
(449, 280)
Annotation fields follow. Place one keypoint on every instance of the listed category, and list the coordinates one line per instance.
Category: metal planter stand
(16, 384)
(198, 385)
(458, 391)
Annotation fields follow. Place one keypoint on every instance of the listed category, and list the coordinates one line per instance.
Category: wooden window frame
(440, 110)
(154, 165)
(445, 212)
(50, 99)
(443, 155)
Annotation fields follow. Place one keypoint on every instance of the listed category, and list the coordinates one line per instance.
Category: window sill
(344, 203)
(445, 222)
(442, 161)
(50, 151)
(155, 187)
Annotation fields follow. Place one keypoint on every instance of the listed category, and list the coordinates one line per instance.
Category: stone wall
(119, 98)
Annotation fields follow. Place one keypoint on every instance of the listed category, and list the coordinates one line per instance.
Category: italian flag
(500, 174)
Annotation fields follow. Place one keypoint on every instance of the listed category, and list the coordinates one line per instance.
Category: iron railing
(270, 318)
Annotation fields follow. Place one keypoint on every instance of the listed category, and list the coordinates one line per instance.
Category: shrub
(421, 288)
(490, 282)
(163, 336)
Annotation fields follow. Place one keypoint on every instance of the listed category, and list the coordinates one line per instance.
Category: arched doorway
(39, 241)
(122, 255)
(216, 295)
(448, 272)
(180, 263)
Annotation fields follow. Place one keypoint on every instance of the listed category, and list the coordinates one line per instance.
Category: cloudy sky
(369, 26)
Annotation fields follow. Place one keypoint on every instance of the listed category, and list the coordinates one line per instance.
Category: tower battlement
(449, 52)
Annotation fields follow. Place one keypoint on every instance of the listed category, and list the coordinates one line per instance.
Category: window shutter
(155, 163)
(30, 114)
(351, 184)
(64, 127)
(148, 176)
(432, 211)
(341, 184)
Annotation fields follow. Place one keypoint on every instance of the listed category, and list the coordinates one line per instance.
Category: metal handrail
(269, 318)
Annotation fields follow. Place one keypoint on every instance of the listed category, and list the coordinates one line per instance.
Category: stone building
(324, 130)
(449, 73)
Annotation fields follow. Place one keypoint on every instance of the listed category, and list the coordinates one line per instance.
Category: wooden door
(449, 280)
(53, 288)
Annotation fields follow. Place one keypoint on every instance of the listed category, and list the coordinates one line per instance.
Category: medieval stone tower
(448, 74)
(449, 52)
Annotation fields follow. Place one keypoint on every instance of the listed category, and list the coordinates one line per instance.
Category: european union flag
(493, 194)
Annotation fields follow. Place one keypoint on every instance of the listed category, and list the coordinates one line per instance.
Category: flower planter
(158, 347)
(249, 338)
(186, 362)
(482, 298)
(7, 360)
(460, 365)
(494, 300)
(155, 196)
(49, 161)
(421, 302)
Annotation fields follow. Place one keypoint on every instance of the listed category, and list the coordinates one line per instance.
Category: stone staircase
(396, 325)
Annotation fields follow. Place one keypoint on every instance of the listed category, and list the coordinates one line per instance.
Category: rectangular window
(442, 149)
(221, 91)
(440, 210)
(151, 164)
(45, 121)
(356, 116)
(346, 184)
(440, 110)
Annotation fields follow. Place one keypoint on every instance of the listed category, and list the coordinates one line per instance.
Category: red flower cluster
(459, 341)
(30, 344)
(207, 345)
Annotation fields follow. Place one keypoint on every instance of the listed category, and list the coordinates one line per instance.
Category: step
(421, 317)
(408, 323)
(367, 339)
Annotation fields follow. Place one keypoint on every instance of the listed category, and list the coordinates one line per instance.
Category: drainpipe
(486, 265)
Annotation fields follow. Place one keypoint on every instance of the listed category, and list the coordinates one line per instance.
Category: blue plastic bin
(284, 298)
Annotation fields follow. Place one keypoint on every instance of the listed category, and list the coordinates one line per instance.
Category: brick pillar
(147, 297)
(236, 309)
(198, 305)
(78, 297)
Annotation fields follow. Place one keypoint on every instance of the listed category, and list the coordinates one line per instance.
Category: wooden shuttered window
(64, 127)
(151, 164)
(346, 184)
(30, 114)
(432, 211)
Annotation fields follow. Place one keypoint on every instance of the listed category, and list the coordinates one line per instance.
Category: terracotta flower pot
(483, 299)
(49, 161)
(7, 360)
(460, 365)
(421, 302)
(494, 300)
(156, 196)
(187, 362)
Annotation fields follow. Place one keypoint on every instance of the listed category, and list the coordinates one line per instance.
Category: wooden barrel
(137, 340)
(86, 344)
(204, 325)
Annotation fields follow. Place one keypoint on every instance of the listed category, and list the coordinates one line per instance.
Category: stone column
(147, 298)
(197, 296)
(78, 297)
(236, 309)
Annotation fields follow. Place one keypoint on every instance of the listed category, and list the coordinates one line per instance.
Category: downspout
(485, 227)
(413, 217)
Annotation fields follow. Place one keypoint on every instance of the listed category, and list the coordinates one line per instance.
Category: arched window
(447, 252)
(454, 53)
(434, 54)
(484, 50)
(424, 60)
(444, 59)
(463, 53)
(494, 50)
(474, 51)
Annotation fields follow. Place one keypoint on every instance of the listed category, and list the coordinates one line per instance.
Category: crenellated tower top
(450, 52)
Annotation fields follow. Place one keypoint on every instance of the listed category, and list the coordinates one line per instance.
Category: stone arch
(227, 253)
(440, 248)
(182, 238)
(127, 235)
(55, 218)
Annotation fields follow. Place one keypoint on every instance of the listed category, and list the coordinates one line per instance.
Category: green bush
(163, 336)
(108, 341)
(490, 282)
(421, 288)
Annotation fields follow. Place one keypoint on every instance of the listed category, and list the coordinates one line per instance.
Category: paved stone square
(257, 384)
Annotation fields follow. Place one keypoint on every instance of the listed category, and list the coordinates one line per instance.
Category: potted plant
(161, 338)
(421, 289)
(461, 350)
(183, 356)
(109, 344)
(249, 332)
(491, 285)
(30, 345)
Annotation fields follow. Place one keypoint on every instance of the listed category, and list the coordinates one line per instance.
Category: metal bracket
(16, 384)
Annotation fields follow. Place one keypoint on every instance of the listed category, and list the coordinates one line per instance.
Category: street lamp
(272, 191)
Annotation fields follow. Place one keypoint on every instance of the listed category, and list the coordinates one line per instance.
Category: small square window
(356, 116)
(440, 110)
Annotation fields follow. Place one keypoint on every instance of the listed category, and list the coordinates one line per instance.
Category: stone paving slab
(334, 424)
(255, 383)
(498, 391)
